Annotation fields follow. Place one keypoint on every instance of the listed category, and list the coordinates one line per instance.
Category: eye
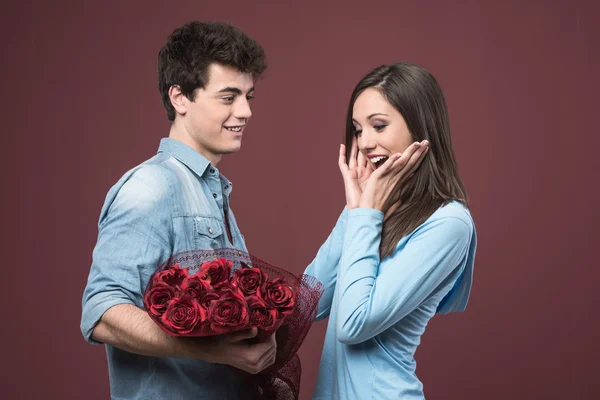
(357, 132)
(228, 99)
(250, 97)
(379, 128)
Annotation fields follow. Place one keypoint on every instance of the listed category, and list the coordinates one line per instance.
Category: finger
(342, 158)
(394, 159)
(409, 157)
(264, 360)
(271, 360)
(353, 153)
(242, 335)
(415, 158)
(418, 162)
(362, 160)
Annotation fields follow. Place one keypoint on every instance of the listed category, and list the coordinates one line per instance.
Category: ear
(178, 100)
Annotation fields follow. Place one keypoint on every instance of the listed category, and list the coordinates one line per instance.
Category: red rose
(248, 280)
(225, 286)
(278, 295)
(206, 298)
(227, 312)
(157, 299)
(173, 276)
(261, 315)
(193, 286)
(216, 271)
(183, 315)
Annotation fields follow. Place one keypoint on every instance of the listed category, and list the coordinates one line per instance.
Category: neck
(179, 133)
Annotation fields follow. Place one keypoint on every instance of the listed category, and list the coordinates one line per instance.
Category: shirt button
(210, 230)
(212, 170)
(215, 195)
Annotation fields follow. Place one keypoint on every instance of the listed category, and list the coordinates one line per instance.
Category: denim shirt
(173, 202)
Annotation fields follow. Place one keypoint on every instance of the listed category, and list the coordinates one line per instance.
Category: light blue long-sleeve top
(378, 309)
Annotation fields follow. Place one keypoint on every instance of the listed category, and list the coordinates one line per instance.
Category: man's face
(214, 122)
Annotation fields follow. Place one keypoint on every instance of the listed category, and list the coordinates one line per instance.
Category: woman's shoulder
(452, 212)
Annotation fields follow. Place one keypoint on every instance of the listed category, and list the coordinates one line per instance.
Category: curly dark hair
(190, 50)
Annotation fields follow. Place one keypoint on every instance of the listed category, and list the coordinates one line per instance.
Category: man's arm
(129, 328)
(135, 236)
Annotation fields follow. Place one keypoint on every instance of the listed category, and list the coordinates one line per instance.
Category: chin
(231, 149)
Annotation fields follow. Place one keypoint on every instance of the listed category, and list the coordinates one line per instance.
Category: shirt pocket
(195, 232)
(208, 233)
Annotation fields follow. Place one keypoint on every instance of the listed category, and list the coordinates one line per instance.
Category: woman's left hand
(355, 173)
(399, 168)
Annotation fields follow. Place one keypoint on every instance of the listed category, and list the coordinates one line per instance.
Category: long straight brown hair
(415, 93)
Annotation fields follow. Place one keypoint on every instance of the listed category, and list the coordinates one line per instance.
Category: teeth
(375, 160)
(234, 129)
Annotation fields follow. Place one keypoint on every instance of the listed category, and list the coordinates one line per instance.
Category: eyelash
(378, 128)
(230, 99)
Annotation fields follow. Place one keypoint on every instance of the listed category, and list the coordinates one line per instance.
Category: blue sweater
(378, 309)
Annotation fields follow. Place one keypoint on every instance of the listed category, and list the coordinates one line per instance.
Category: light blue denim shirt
(173, 202)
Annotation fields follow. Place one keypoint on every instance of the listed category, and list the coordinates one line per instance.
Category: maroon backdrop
(80, 107)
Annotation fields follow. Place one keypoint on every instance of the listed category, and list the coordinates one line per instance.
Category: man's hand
(235, 350)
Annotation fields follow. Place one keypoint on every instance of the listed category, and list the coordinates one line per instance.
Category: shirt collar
(192, 159)
(185, 154)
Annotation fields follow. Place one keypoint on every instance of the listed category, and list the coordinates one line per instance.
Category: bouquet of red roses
(214, 300)
(212, 292)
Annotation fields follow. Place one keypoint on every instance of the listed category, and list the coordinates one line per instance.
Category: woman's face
(379, 127)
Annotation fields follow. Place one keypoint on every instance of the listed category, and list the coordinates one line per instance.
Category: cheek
(399, 141)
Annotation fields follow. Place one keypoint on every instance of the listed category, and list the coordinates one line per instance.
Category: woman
(404, 246)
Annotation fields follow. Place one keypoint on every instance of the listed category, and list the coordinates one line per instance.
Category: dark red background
(80, 106)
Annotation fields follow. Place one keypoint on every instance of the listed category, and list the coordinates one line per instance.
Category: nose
(242, 109)
(366, 141)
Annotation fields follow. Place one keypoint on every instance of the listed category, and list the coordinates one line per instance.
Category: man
(173, 202)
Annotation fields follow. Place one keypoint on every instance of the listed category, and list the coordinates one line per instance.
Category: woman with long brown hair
(403, 248)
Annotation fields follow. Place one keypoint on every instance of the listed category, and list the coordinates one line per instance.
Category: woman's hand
(397, 169)
(355, 174)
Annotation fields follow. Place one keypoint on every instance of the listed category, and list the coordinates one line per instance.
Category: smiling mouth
(234, 128)
(378, 161)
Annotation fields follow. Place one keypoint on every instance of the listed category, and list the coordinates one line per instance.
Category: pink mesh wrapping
(281, 381)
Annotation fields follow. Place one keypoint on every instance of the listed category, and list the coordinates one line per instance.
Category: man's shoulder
(147, 183)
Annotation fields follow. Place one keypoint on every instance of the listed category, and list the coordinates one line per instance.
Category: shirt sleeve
(134, 238)
(324, 266)
(372, 301)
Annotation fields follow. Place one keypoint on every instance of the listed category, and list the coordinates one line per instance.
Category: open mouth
(235, 128)
(378, 161)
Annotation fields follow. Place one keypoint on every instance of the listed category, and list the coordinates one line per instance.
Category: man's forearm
(129, 328)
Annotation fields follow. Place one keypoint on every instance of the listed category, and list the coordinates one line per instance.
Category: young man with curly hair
(177, 201)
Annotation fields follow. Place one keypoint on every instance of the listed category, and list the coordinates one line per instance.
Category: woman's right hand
(397, 170)
(355, 173)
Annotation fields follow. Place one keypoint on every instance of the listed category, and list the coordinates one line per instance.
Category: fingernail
(425, 142)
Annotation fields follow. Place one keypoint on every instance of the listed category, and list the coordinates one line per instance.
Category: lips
(378, 160)
(235, 129)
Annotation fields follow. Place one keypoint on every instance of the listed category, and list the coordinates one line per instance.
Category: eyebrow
(376, 114)
(235, 90)
(371, 116)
